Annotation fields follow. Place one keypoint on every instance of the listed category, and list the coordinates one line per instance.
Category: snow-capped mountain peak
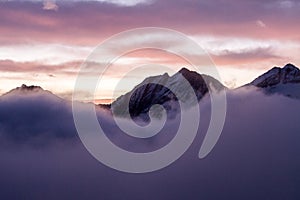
(288, 74)
(158, 90)
(26, 89)
(284, 81)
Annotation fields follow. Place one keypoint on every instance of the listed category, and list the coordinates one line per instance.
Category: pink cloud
(91, 22)
(50, 5)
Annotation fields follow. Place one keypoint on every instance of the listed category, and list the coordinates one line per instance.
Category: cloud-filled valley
(257, 156)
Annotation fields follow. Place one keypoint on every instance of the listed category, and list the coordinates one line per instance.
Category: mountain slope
(31, 90)
(158, 90)
(285, 81)
(288, 74)
(32, 113)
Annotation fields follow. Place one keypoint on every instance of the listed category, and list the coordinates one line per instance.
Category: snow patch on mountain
(165, 90)
(288, 74)
(284, 81)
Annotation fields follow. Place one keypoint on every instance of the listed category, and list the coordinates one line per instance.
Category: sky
(45, 42)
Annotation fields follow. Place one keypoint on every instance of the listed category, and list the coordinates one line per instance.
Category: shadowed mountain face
(288, 74)
(284, 81)
(161, 90)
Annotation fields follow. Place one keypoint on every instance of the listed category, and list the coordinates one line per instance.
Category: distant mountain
(158, 90)
(24, 89)
(29, 112)
(155, 90)
(288, 74)
(285, 81)
(32, 93)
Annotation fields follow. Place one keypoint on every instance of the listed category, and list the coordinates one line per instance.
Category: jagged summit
(287, 74)
(284, 81)
(24, 87)
(158, 90)
(184, 70)
(28, 90)
(32, 91)
(290, 66)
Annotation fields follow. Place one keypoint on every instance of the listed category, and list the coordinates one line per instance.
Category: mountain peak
(184, 70)
(290, 67)
(287, 74)
(161, 90)
(25, 87)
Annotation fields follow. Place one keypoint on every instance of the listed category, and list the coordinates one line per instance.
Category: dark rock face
(160, 90)
(24, 89)
(29, 88)
(149, 94)
(288, 74)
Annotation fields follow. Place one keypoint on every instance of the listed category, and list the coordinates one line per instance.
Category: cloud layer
(257, 156)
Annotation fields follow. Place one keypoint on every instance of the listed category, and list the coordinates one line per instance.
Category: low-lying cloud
(257, 156)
